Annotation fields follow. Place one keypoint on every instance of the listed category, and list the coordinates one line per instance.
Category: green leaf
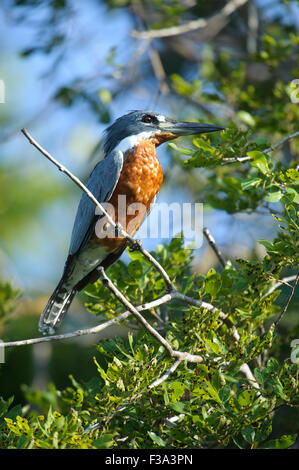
(274, 196)
(258, 160)
(267, 244)
(294, 194)
(224, 394)
(293, 174)
(156, 439)
(202, 144)
(178, 407)
(282, 442)
(135, 269)
(105, 96)
(182, 150)
(248, 434)
(246, 397)
(212, 283)
(248, 183)
(104, 442)
(247, 118)
(178, 390)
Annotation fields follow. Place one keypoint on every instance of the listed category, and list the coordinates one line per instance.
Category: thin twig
(226, 161)
(88, 331)
(181, 355)
(223, 14)
(278, 284)
(285, 307)
(166, 298)
(245, 369)
(159, 70)
(282, 141)
(166, 374)
(214, 247)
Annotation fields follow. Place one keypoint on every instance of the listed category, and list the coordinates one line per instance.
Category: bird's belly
(139, 182)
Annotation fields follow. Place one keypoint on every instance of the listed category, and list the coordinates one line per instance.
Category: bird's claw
(135, 245)
(118, 229)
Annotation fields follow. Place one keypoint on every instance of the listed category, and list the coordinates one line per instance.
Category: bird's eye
(147, 118)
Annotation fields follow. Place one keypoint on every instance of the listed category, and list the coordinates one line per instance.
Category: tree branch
(278, 284)
(212, 243)
(216, 22)
(285, 307)
(166, 374)
(181, 355)
(88, 331)
(227, 161)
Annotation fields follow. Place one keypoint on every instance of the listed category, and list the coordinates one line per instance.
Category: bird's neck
(155, 138)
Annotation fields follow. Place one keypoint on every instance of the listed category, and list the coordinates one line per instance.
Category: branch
(282, 141)
(227, 161)
(212, 243)
(166, 298)
(216, 22)
(284, 280)
(88, 331)
(166, 374)
(285, 307)
(181, 355)
(159, 70)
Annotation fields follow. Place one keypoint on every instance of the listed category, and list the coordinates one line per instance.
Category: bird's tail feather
(56, 309)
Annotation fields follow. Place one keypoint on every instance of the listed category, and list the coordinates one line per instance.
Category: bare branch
(96, 329)
(282, 141)
(166, 374)
(227, 161)
(216, 22)
(278, 284)
(245, 369)
(159, 70)
(214, 247)
(88, 331)
(285, 307)
(181, 355)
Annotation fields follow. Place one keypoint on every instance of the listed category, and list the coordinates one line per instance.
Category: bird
(129, 171)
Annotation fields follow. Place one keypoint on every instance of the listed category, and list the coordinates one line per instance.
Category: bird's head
(131, 128)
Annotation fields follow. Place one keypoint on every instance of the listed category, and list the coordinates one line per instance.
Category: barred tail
(56, 309)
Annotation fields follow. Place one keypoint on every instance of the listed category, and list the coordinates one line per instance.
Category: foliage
(8, 300)
(213, 403)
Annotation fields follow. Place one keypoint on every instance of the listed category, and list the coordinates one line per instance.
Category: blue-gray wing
(101, 183)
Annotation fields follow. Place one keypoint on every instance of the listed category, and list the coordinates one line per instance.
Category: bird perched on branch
(126, 183)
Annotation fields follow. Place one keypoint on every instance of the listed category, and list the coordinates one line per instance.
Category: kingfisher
(130, 172)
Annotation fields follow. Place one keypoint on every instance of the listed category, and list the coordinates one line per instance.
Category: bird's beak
(188, 128)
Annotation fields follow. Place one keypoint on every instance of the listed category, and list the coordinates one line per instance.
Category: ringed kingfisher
(130, 169)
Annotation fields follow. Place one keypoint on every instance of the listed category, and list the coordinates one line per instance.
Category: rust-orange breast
(140, 180)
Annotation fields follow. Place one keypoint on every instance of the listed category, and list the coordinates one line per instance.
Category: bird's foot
(118, 229)
(136, 245)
